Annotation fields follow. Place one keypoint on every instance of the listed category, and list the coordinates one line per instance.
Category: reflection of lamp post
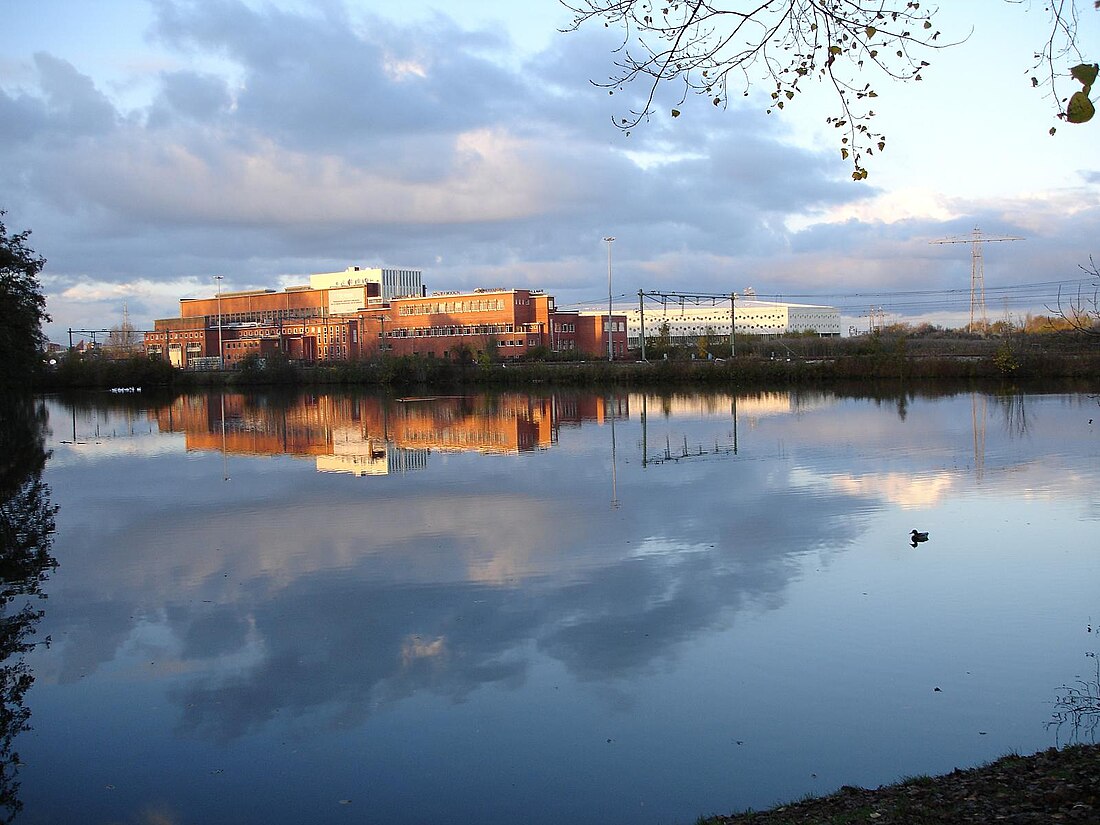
(609, 240)
(225, 465)
(614, 478)
(218, 278)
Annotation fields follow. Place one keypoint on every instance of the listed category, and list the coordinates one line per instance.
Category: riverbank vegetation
(897, 355)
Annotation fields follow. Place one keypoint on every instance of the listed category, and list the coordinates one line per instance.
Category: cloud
(194, 95)
(281, 142)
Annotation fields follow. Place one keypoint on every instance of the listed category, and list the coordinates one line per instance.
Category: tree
(22, 308)
(715, 50)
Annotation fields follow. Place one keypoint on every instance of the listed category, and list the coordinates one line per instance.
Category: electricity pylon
(977, 270)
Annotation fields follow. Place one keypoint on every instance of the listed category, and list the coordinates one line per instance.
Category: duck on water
(917, 536)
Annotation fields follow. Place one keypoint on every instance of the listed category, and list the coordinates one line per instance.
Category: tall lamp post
(609, 240)
(221, 363)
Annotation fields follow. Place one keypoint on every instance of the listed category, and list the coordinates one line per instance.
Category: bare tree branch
(1082, 311)
(716, 48)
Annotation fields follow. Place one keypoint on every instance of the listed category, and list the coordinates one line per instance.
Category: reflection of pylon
(977, 422)
(977, 270)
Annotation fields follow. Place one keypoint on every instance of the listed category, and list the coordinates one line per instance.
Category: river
(554, 607)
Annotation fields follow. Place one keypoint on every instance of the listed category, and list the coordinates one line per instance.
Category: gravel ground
(1050, 786)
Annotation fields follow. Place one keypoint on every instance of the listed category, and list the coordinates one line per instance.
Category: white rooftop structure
(394, 283)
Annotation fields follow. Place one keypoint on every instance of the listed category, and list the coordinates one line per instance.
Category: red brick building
(317, 325)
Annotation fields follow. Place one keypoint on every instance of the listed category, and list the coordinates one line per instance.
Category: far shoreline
(998, 367)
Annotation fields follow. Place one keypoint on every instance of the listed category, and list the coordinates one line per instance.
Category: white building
(687, 323)
(394, 283)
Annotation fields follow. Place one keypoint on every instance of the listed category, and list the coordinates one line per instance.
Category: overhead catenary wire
(914, 301)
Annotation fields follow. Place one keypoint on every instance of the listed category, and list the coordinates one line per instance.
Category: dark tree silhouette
(22, 308)
(26, 538)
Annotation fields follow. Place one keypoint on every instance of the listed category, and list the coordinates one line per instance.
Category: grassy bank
(1050, 786)
(743, 371)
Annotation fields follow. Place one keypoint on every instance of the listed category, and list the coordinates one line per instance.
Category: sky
(152, 144)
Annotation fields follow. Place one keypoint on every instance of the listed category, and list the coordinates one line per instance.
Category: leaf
(675, 112)
(1053, 130)
(1085, 73)
(1080, 108)
(870, 31)
(844, 154)
(834, 50)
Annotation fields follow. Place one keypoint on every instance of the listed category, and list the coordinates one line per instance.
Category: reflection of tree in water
(1077, 706)
(26, 534)
(1014, 410)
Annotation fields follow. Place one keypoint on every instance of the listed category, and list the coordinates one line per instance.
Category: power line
(912, 299)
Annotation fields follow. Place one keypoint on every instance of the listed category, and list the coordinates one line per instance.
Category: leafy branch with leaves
(719, 48)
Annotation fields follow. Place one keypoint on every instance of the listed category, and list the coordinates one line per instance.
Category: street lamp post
(733, 322)
(608, 240)
(221, 363)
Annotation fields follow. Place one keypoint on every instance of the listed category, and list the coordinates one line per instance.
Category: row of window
(445, 332)
(449, 307)
(325, 333)
(263, 316)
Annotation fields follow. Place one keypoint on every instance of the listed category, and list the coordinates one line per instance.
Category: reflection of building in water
(572, 410)
(371, 436)
(502, 424)
(381, 460)
(750, 406)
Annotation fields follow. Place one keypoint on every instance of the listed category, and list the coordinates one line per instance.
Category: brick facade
(494, 324)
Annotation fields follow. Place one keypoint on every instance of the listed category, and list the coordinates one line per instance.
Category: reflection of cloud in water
(923, 490)
(337, 644)
(92, 449)
(905, 490)
(416, 648)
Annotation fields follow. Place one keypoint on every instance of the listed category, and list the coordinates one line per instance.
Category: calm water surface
(549, 608)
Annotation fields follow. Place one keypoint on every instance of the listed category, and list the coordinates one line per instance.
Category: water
(559, 607)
